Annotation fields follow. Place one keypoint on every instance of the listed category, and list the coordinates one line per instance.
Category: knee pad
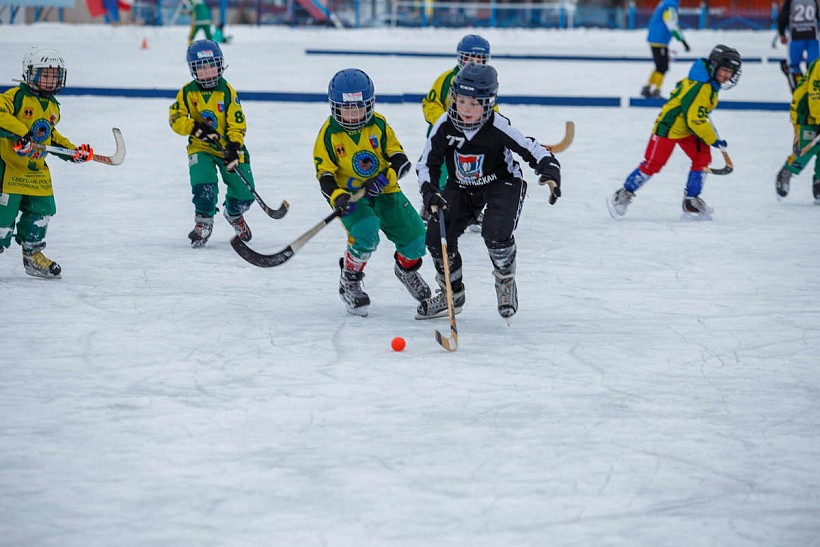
(204, 198)
(694, 183)
(635, 180)
(236, 207)
(503, 258)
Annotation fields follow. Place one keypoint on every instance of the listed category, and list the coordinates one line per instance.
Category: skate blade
(694, 217)
(41, 275)
(360, 311)
(442, 313)
(475, 228)
(611, 208)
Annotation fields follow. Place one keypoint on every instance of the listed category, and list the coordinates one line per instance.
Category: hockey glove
(204, 132)
(376, 184)
(83, 154)
(231, 155)
(686, 46)
(24, 146)
(340, 199)
(549, 169)
(431, 197)
(719, 144)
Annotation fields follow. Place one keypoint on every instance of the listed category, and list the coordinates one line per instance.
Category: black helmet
(725, 57)
(479, 82)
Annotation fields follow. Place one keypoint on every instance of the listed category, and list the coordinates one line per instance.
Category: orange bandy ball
(398, 343)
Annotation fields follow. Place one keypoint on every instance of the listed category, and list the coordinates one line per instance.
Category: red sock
(406, 263)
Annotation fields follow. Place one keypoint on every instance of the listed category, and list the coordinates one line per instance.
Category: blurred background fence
(623, 14)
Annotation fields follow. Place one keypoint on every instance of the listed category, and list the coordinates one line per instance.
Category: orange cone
(144, 44)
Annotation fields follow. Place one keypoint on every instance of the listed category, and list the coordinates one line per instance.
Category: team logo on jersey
(210, 118)
(374, 143)
(40, 130)
(340, 150)
(365, 163)
(220, 107)
(28, 112)
(469, 167)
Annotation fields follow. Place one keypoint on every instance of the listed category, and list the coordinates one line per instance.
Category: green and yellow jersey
(218, 107)
(805, 106)
(434, 103)
(687, 110)
(23, 112)
(344, 161)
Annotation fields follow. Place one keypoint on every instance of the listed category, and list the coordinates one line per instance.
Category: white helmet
(35, 61)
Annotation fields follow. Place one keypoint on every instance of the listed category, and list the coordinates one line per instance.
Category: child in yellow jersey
(356, 149)
(29, 115)
(684, 121)
(805, 116)
(208, 112)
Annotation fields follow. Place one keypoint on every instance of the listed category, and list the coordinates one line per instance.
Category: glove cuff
(335, 194)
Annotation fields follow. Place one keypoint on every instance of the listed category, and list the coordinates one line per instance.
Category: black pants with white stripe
(503, 199)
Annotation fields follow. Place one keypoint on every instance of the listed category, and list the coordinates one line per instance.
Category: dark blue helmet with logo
(476, 81)
(473, 48)
(204, 56)
(351, 89)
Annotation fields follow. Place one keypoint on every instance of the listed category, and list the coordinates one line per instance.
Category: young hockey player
(29, 114)
(663, 26)
(805, 116)
(472, 48)
(802, 19)
(355, 149)
(208, 112)
(684, 121)
(200, 15)
(476, 145)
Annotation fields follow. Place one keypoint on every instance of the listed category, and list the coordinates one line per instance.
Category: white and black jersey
(477, 158)
(801, 17)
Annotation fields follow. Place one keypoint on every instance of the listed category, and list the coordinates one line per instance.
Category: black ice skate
(412, 280)
(507, 294)
(781, 185)
(240, 227)
(202, 231)
(618, 202)
(351, 292)
(645, 92)
(39, 265)
(694, 208)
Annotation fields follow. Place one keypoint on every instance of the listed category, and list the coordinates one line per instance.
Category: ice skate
(202, 231)
(351, 292)
(240, 227)
(39, 265)
(781, 185)
(507, 293)
(645, 92)
(618, 202)
(436, 306)
(412, 280)
(694, 208)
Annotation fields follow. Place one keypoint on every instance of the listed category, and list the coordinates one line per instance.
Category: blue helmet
(476, 81)
(351, 88)
(203, 55)
(473, 48)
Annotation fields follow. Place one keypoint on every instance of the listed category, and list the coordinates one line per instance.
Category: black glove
(342, 201)
(204, 132)
(376, 184)
(231, 155)
(431, 197)
(550, 170)
(686, 46)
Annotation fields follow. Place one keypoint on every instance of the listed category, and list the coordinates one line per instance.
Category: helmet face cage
(475, 81)
(206, 62)
(44, 71)
(725, 57)
(473, 48)
(352, 99)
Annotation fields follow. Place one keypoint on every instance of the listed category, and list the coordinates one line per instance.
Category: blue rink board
(294, 97)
